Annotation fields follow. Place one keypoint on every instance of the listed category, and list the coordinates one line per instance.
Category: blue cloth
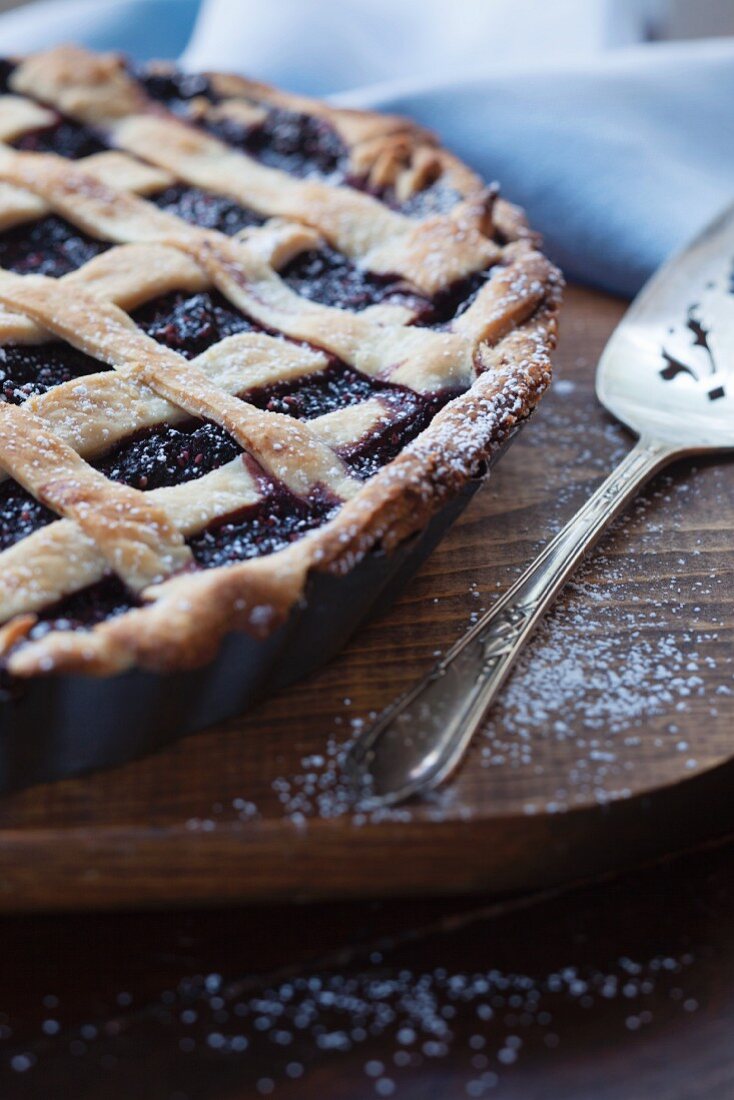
(617, 162)
(142, 29)
(617, 159)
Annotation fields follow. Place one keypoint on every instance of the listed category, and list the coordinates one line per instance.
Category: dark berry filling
(175, 88)
(168, 455)
(20, 514)
(6, 71)
(190, 323)
(301, 145)
(297, 143)
(410, 414)
(84, 609)
(50, 246)
(206, 209)
(31, 369)
(453, 300)
(338, 387)
(330, 278)
(65, 138)
(271, 524)
(315, 394)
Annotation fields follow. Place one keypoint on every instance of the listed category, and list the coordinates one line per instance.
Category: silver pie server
(668, 374)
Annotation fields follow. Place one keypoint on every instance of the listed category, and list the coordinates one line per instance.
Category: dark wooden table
(611, 742)
(617, 991)
(614, 988)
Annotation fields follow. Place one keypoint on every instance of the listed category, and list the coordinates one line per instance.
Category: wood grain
(612, 743)
(618, 990)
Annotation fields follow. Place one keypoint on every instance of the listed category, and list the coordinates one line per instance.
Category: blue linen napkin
(618, 156)
(140, 28)
(618, 160)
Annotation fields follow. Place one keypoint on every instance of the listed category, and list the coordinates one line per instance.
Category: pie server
(668, 374)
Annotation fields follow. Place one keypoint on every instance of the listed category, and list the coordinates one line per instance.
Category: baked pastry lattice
(243, 336)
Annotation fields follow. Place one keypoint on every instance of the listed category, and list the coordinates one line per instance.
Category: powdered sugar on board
(636, 649)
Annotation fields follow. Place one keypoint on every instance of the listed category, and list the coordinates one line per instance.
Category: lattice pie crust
(488, 363)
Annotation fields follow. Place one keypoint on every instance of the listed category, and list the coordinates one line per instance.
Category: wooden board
(613, 741)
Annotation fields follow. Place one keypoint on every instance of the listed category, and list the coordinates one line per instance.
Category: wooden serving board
(614, 741)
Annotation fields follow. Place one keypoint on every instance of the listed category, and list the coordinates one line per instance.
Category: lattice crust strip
(243, 274)
(20, 116)
(496, 349)
(256, 594)
(430, 253)
(62, 558)
(135, 537)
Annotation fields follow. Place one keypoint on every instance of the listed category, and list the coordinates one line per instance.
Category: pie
(244, 336)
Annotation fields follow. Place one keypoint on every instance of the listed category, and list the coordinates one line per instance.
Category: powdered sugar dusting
(627, 682)
(634, 651)
(395, 1020)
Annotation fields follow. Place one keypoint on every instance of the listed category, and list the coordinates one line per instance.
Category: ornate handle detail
(419, 740)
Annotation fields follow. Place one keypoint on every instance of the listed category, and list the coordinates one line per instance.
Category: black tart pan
(64, 725)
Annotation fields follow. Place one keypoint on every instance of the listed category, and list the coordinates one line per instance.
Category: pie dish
(245, 338)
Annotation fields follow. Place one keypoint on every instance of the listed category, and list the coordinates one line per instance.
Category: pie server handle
(420, 739)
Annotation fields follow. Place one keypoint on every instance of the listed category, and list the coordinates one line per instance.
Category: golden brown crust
(190, 615)
(499, 347)
(384, 150)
